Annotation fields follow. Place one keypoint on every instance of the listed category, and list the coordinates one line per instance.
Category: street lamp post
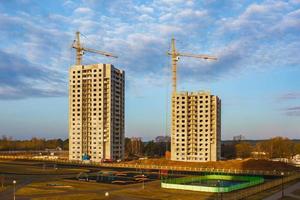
(107, 195)
(220, 189)
(220, 195)
(218, 185)
(282, 186)
(143, 181)
(14, 182)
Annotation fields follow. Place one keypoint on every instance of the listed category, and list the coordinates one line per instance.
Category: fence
(153, 167)
(241, 194)
(186, 183)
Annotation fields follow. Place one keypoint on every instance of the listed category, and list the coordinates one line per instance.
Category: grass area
(37, 168)
(80, 185)
(30, 190)
(154, 191)
(26, 172)
(89, 196)
(20, 162)
(87, 191)
(93, 191)
(52, 192)
(61, 186)
(64, 189)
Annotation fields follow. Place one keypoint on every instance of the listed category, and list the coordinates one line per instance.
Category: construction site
(96, 134)
(96, 113)
(95, 166)
(195, 120)
(96, 109)
(149, 100)
(152, 179)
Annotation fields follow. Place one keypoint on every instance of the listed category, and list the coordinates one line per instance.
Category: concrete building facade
(196, 127)
(96, 112)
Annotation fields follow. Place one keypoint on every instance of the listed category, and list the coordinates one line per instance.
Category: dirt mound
(247, 164)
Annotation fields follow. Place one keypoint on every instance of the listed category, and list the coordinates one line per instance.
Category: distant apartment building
(96, 112)
(136, 145)
(238, 138)
(196, 127)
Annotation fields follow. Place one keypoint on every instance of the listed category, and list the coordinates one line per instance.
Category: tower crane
(80, 50)
(175, 57)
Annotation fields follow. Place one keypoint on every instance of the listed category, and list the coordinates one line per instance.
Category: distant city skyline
(256, 76)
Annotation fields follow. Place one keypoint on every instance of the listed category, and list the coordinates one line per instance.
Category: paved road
(287, 192)
(8, 193)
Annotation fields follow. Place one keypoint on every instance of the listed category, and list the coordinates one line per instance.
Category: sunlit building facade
(96, 112)
(196, 127)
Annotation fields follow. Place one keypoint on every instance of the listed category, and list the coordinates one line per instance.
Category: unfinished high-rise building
(196, 119)
(96, 112)
(196, 127)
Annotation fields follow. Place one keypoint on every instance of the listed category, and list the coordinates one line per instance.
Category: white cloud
(167, 31)
(289, 21)
(145, 18)
(295, 1)
(144, 9)
(190, 14)
(255, 9)
(83, 10)
(172, 2)
(69, 4)
(59, 18)
(8, 91)
(140, 34)
(165, 16)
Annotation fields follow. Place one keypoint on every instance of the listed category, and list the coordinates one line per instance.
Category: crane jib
(80, 50)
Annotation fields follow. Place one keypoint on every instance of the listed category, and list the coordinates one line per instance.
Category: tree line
(149, 149)
(9, 144)
(277, 147)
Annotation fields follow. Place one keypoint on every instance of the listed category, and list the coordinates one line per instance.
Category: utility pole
(143, 181)
(282, 186)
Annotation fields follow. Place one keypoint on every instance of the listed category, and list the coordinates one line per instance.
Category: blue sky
(256, 76)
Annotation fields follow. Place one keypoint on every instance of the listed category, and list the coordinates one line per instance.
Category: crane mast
(175, 57)
(80, 50)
